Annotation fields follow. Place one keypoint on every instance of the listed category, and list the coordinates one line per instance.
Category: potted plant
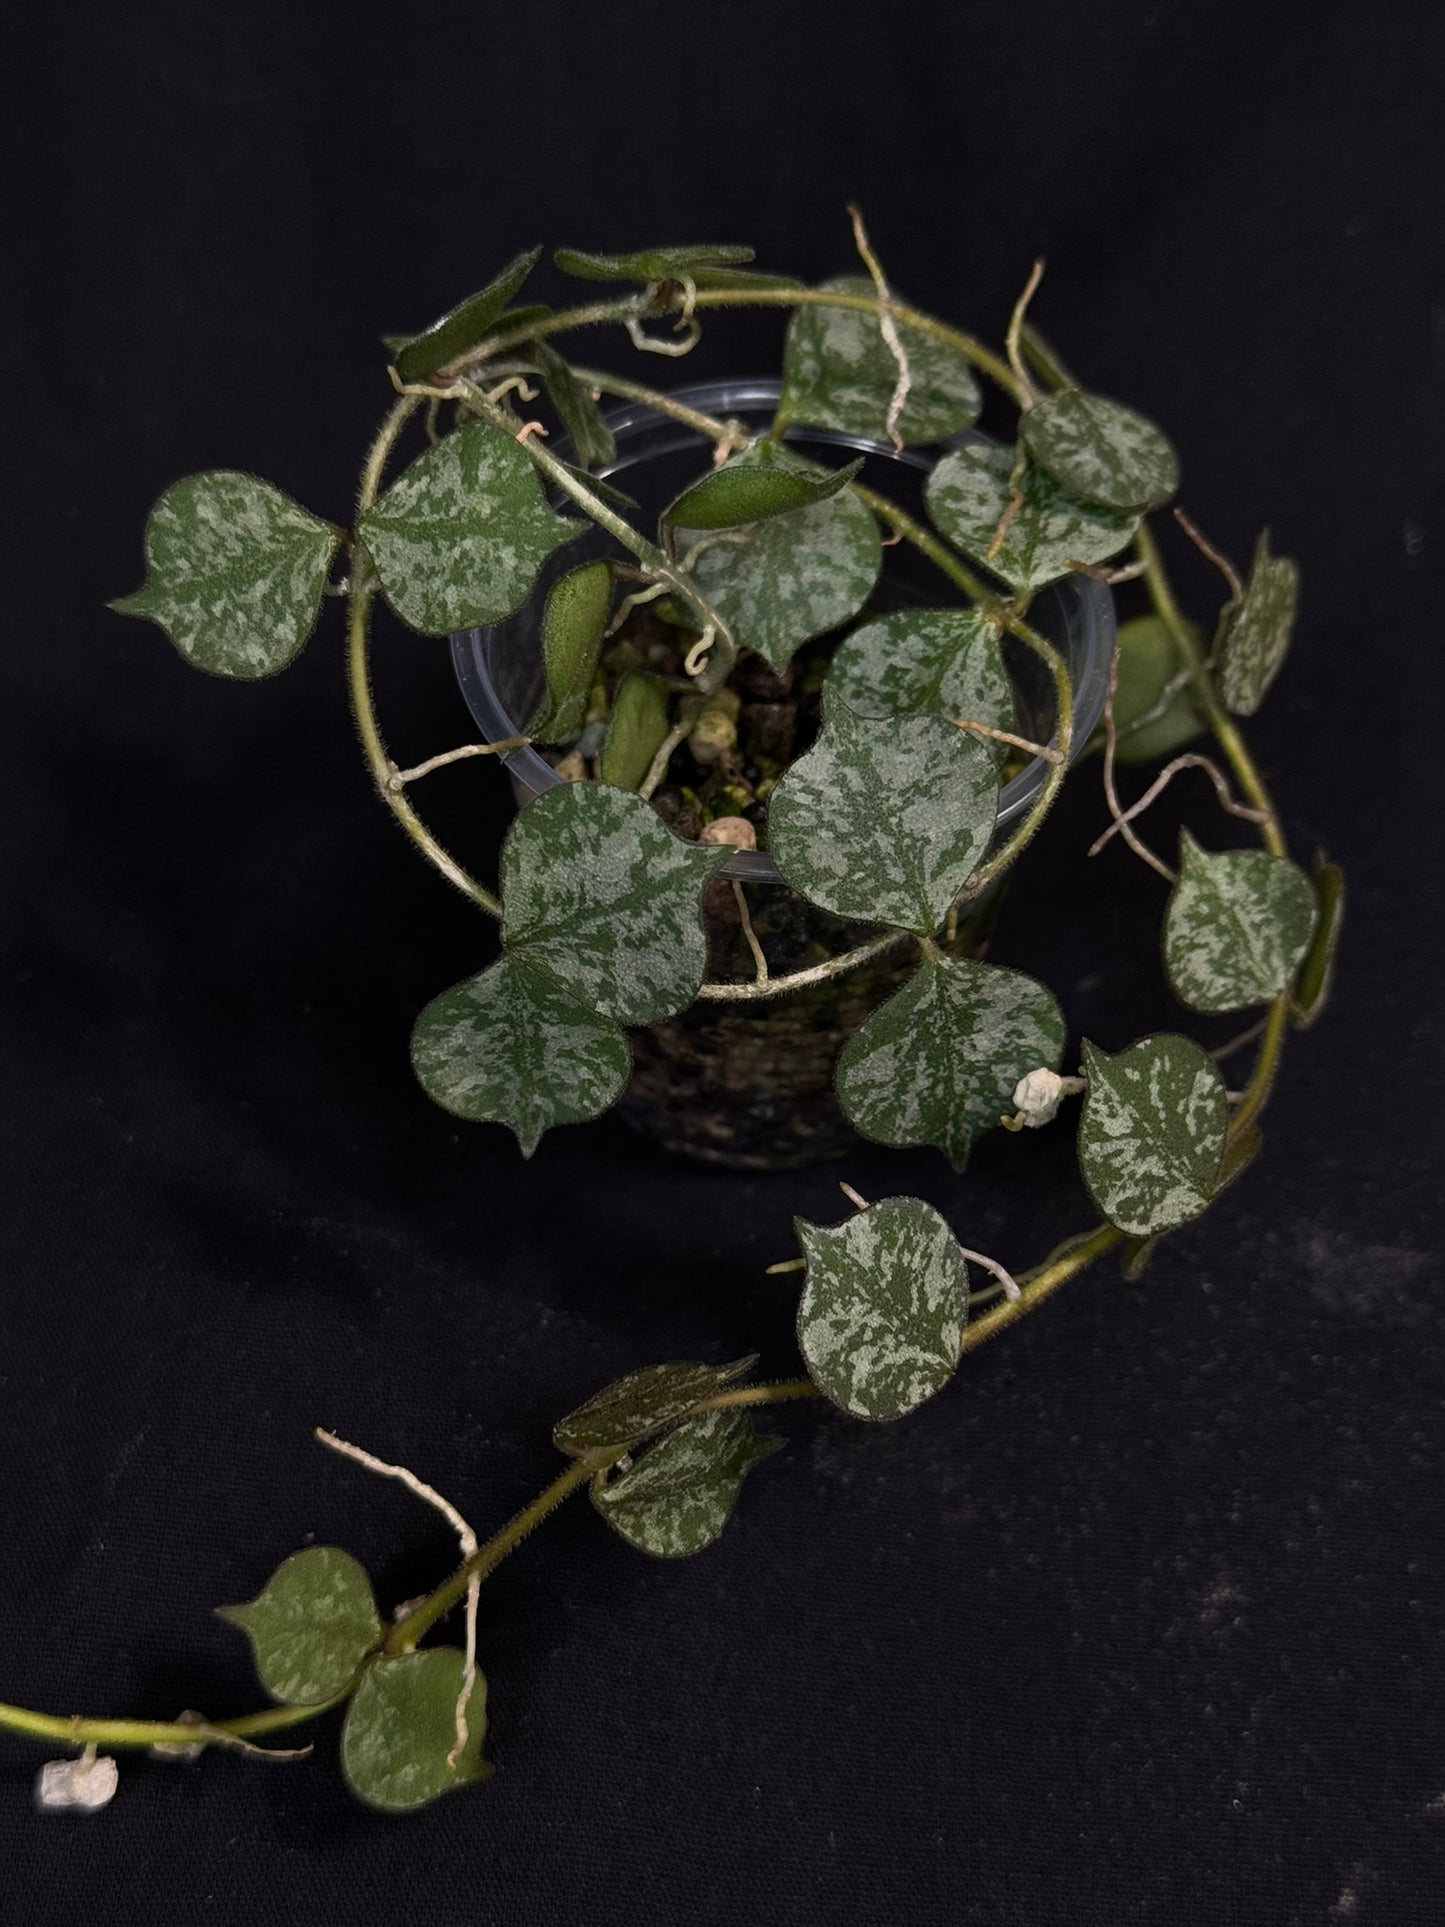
(780, 734)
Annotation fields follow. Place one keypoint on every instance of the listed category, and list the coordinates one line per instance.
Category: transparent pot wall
(751, 1085)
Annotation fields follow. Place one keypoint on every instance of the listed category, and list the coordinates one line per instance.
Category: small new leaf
(459, 536)
(882, 1311)
(417, 356)
(586, 425)
(1255, 632)
(970, 494)
(600, 893)
(634, 1408)
(678, 1497)
(1101, 451)
(763, 482)
(1152, 1132)
(885, 820)
(1237, 927)
(1312, 987)
(648, 264)
(235, 572)
(942, 660)
(573, 620)
(1149, 721)
(515, 1046)
(311, 1626)
(635, 729)
(401, 1729)
(840, 373)
(938, 1062)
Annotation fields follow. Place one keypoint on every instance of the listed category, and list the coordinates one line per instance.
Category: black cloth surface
(1143, 1620)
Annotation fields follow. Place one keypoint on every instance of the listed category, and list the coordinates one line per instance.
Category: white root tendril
(696, 659)
(468, 1541)
(1037, 1097)
(888, 328)
(77, 1786)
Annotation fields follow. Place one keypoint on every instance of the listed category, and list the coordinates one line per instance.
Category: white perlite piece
(1037, 1097)
(77, 1786)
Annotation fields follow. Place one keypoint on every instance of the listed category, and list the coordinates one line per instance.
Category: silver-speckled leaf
(1151, 723)
(599, 890)
(793, 577)
(573, 620)
(678, 1497)
(586, 425)
(1255, 633)
(311, 1626)
(648, 264)
(462, 327)
(938, 1062)
(1238, 925)
(969, 493)
(515, 1046)
(883, 1308)
(942, 660)
(765, 480)
(401, 1728)
(885, 820)
(635, 729)
(839, 372)
(459, 536)
(633, 1408)
(1100, 450)
(1152, 1132)
(1312, 989)
(235, 572)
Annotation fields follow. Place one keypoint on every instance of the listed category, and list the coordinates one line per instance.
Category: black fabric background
(1143, 1620)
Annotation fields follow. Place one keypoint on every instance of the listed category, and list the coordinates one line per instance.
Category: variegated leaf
(1100, 450)
(463, 327)
(1312, 988)
(1151, 1137)
(459, 536)
(839, 372)
(766, 479)
(311, 1626)
(515, 1046)
(885, 820)
(1150, 720)
(937, 1063)
(598, 890)
(793, 577)
(648, 264)
(399, 1740)
(1237, 927)
(235, 572)
(680, 1494)
(942, 660)
(970, 493)
(573, 621)
(635, 1407)
(882, 1311)
(1255, 633)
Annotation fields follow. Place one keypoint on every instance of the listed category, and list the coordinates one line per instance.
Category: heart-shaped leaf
(1255, 632)
(942, 660)
(1238, 925)
(635, 729)
(1100, 450)
(678, 1497)
(648, 264)
(1152, 1132)
(573, 622)
(459, 536)
(1312, 987)
(970, 492)
(586, 425)
(839, 372)
(793, 577)
(311, 1626)
(600, 892)
(235, 572)
(885, 820)
(1152, 720)
(401, 1730)
(634, 1408)
(417, 356)
(882, 1311)
(515, 1046)
(937, 1064)
(765, 480)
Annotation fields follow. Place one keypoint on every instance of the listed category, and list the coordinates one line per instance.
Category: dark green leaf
(1255, 633)
(311, 1626)
(1237, 927)
(885, 820)
(401, 1730)
(514, 1045)
(599, 891)
(573, 621)
(678, 1497)
(458, 538)
(1312, 987)
(970, 493)
(1152, 1133)
(235, 572)
(635, 729)
(1240, 1151)
(1150, 723)
(765, 481)
(417, 356)
(739, 278)
(634, 1408)
(580, 415)
(943, 660)
(938, 1062)
(1101, 451)
(882, 1311)
(839, 372)
(648, 264)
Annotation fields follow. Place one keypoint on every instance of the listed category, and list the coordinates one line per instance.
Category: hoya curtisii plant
(888, 819)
